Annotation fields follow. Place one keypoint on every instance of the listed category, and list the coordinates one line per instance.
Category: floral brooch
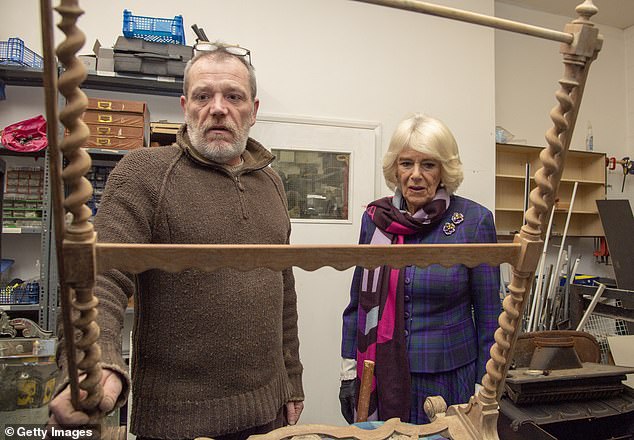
(450, 227)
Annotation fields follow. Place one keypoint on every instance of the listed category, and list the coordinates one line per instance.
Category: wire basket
(602, 327)
(25, 293)
(14, 52)
(157, 30)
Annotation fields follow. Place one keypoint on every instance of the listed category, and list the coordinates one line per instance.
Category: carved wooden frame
(81, 257)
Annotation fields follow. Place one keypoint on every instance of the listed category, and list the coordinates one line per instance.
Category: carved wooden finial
(586, 10)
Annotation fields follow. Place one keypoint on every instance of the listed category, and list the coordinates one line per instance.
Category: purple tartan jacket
(441, 331)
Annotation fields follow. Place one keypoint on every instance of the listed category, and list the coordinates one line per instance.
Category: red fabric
(26, 136)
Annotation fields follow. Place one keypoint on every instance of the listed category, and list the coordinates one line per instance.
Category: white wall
(335, 59)
(526, 81)
(629, 95)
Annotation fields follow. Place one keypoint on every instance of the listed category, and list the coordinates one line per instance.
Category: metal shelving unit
(48, 266)
(42, 307)
(27, 77)
(149, 85)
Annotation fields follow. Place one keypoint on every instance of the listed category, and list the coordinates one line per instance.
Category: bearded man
(215, 354)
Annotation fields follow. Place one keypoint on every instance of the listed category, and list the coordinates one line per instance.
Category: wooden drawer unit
(117, 124)
(102, 117)
(117, 105)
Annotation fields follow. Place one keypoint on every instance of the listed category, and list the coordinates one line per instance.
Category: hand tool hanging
(626, 163)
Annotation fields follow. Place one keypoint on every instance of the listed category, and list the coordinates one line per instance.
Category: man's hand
(293, 411)
(61, 407)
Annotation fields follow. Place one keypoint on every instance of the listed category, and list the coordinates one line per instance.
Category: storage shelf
(4, 151)
(19, 307)
(584, 167)
(22, 230)
(116, 82)
(106, 154)
(26, 77)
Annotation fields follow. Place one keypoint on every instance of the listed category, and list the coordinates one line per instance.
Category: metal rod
(527, 190)
(543, 305)
(474, 18)
(540, 274)
(554, 282)
(569, 281)
(593, 304)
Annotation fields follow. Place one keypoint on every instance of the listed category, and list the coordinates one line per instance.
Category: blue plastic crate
(25, 293)
(14, 52)
(157, 30)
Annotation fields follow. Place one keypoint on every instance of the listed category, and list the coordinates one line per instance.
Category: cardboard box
(137, 46)
(150, 65)
(89, 61)
(105, 57)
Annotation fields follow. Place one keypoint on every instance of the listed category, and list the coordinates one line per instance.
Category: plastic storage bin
(158, 30)
(14, 52)
(25, 293)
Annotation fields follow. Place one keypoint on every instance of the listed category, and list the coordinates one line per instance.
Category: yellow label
(105, 105)
(105, 118)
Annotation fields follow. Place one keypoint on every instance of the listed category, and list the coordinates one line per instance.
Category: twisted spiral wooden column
(577, 60)
(482, 408)
(79, 237)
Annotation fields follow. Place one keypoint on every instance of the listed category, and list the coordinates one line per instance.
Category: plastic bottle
(589, 138)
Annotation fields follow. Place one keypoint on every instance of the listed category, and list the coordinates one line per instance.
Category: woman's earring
(442, 185)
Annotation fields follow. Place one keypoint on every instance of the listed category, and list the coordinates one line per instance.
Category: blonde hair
(430, 136)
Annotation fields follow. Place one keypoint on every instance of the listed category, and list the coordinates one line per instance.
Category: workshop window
(316, 183)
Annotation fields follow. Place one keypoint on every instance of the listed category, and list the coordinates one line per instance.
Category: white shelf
(19, 307)
(23, 230)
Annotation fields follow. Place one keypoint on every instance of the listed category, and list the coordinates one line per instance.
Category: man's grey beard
(217, 151)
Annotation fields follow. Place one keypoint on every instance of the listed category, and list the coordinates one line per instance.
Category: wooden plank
(137, 258)
(622, 353)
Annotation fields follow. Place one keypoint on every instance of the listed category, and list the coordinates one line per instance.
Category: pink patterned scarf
(380, 325)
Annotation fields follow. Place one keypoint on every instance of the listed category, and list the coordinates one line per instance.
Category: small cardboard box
(105, 57)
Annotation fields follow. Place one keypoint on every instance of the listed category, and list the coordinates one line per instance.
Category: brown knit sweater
(214, 353)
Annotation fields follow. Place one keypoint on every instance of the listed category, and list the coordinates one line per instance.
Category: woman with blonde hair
(429, 330)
